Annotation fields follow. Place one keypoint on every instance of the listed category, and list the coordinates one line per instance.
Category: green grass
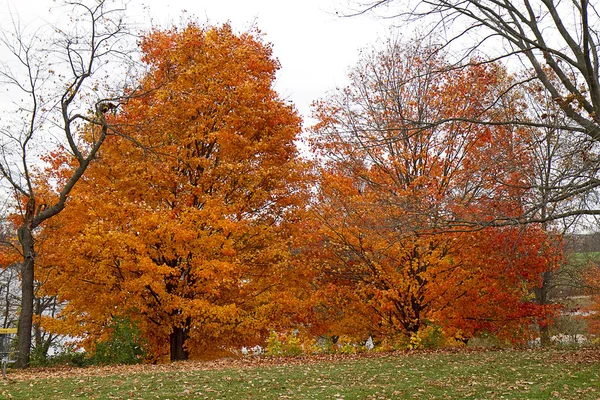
(508, 374)
(584, 257)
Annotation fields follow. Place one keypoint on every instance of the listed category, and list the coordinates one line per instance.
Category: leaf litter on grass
(439, 375)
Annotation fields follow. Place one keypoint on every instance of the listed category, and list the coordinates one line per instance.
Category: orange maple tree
(187, 226)
(403, 170)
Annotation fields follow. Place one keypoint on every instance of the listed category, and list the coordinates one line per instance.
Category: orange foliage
(404, 171)
(194, 224)
(592, 311)
(185, 226)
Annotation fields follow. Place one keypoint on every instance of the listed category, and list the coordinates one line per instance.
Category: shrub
(289, 344)
(64, 355)
(125, 345)
(346, 345)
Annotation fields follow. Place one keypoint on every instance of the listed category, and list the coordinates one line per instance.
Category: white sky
(315, 46)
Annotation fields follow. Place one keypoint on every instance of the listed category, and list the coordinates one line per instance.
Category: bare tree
(552, 159)
(59, 80)
(10, 296)
(10, 290)
(45, 306)
(555, 43)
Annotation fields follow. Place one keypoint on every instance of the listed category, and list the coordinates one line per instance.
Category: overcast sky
(315, 46)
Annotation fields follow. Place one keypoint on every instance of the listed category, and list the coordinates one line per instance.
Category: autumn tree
(556, 45)
(59, 79)
(395, 182)
(186, 227)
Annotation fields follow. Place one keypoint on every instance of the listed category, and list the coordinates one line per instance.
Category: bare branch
(61, 83)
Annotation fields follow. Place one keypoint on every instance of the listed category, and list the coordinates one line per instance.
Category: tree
(59, 80)
(190, 235)
(10, 293)
(557, 42)
(393, 182)
(559, 160)
(10, 290)
(591, 278)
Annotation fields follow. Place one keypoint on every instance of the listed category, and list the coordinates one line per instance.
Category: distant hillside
(583, 243)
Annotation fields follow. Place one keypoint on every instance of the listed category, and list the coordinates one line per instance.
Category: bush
(64, 355)
(125, 345)
(346, 345)
(430, 337)
(289, 344)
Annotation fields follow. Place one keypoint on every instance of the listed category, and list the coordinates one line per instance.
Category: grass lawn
(506, 374)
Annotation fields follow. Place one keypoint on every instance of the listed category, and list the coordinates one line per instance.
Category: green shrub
(274, 345)
(430, 337)
(125, 346)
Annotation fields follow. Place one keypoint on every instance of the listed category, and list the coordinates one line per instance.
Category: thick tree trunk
(27, 280)
(177, 339)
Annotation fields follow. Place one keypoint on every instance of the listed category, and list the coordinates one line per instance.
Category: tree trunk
(541, 297)
(37, 332)
(27, 280)
(177, 339)
(7, 299)
(545, 340)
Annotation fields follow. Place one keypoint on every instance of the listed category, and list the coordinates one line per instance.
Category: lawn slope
(501, 374)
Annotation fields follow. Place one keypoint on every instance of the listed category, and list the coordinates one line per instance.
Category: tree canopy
(186, 225)
(423, 209)
(395, 181)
